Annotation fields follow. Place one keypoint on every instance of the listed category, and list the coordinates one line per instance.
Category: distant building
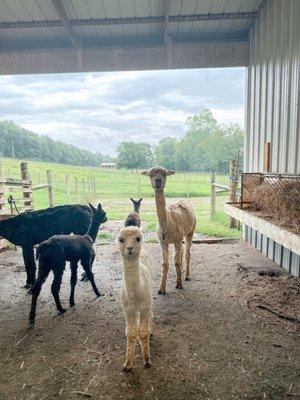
(108, 165)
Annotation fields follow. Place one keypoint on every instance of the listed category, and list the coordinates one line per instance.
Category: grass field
(114, 187)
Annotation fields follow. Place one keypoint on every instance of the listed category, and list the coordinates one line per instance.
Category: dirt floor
(218, 338)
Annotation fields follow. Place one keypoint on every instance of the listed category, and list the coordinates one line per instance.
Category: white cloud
(96, 111)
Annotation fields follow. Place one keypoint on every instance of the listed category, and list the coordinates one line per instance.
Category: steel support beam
(68, 24)
(167, 19)
(192, 55)
(61, 12)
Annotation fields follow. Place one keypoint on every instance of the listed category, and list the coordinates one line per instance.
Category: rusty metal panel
(273, 112)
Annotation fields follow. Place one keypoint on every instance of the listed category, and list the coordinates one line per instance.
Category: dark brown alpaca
(133, 218)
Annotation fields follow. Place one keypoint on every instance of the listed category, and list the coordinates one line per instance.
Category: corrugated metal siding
(273, 107)
(279, 254)
(273, 112)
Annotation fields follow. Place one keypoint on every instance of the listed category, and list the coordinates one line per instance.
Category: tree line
(206, 146)
(20, 143)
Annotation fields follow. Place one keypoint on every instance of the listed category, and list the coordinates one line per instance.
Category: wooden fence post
(77, 189)
(139, 184)
(84, 191)
(233, 188)
(212, 196)
(68, 189)
(27, 187)
(50, 188)
(94, 184)
(187, 186)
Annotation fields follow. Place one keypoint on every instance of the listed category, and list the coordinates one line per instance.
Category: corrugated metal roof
(46, 34)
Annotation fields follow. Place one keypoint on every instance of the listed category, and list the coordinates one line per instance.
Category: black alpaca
(30, 228)
(53, 254)
(133, 218)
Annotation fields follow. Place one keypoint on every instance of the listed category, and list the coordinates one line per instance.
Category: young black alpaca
(30, 228)
(133, 218)
(53, 254)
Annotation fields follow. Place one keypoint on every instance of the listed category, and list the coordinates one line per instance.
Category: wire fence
(81, 185)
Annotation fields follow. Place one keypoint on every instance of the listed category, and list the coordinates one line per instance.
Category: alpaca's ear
(99, 207)
(145, 172)
(92, 207)
(132, 199)
(170, 172)
(140, 200)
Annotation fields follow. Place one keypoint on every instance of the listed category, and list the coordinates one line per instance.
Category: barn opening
(262, 36)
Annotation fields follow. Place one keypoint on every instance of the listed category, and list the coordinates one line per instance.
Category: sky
(96, 111)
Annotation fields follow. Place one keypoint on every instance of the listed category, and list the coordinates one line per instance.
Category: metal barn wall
(273, 88)
(273, 107)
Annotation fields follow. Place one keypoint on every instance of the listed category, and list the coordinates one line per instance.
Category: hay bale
(280, 201)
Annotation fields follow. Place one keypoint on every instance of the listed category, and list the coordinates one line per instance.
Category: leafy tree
(191, 155)
(134, 155)
(165, 152)
(222, 146)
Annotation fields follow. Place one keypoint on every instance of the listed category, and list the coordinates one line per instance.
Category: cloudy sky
(96, 111)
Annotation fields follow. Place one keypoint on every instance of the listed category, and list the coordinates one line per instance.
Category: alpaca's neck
(131, 272)
(93, 229)
(161, 209)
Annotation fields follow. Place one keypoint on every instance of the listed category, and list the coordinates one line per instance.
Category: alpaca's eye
(121, 239)
(138, 239)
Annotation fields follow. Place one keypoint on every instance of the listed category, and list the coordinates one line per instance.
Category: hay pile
(279, 201)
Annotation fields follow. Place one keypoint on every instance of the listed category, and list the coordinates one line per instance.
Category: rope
(12, 203)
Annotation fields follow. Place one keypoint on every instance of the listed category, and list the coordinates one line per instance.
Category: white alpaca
(175, 223)
(136, 294)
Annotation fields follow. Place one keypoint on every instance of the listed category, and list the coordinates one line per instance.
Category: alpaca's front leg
(144, 336)
(132, 333)
(165, 267)
(178, 263)
(30, 267)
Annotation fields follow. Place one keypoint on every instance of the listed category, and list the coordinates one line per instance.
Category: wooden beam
(267, 153)
(281, 236)
(189, 55)
(61, 12)
(167, 15)
(121, 21)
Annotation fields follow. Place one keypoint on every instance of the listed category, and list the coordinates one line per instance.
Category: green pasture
(114, 187)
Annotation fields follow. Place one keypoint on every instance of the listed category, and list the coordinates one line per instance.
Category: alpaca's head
(136, 204)
(130, 240)
(98, 213)
(158, 177)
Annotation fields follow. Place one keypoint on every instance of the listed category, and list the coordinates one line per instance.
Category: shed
(53, 36)
(108, 165)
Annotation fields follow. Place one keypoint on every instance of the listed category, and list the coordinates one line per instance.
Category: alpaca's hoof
(62, 311)
(179, 286)
(161, 291)
(187, 278)
(147, 364)
(30, 290)
(127, 368)
(84, 277)
(72, 303)
(98, 294)
(28, 286)
(31, 322)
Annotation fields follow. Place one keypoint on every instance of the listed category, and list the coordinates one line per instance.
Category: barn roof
(36, 25)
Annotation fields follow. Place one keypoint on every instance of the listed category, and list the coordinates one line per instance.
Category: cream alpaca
(136, 294)
(175, 223)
